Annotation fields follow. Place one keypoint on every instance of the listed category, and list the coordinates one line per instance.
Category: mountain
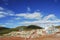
(30, 27)
(34, 27)
(57, 26)
(4, 30)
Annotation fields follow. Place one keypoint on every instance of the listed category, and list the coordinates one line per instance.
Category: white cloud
(2, 12)
(44, 22)
(51, 16)
(41, 19)
(41, 23)
(2, 16)
(35, 15)
(1, 8)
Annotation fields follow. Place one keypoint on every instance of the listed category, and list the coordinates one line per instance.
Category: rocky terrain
(31, 34)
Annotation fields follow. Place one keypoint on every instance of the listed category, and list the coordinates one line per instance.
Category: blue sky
(26, 12)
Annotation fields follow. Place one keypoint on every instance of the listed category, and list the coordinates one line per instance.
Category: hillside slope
(4, 30)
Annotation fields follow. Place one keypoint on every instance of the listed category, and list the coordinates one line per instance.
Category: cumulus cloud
(40, 22)
(50, 17)
(2, 12)
(44, 22)
(35, 15)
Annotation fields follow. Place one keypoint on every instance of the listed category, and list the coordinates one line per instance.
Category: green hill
(4, 30)
(57, 26)
(30, 27)
(34, 27)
